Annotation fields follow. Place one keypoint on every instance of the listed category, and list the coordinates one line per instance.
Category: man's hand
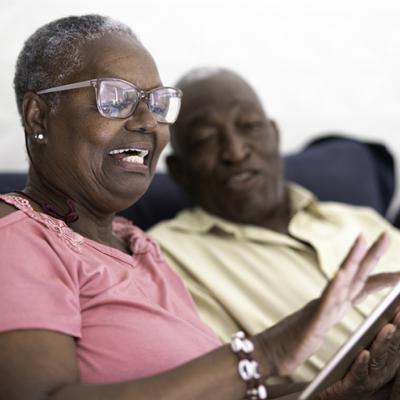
(290, 342)
(373, 369)
(395, 389)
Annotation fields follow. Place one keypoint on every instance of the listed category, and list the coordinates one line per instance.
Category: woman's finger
(339, 292)
(366, 265)
(377, 282)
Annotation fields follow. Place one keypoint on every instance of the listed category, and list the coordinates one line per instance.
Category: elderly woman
(89, 309)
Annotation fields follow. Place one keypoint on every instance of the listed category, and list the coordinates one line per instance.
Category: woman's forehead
(119, 56)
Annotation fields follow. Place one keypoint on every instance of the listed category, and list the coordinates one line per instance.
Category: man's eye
(249, 126)
(205, 136)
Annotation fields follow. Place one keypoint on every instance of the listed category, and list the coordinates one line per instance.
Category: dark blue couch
(333, 167)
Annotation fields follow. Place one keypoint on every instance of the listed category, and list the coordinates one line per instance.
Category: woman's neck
(90, 223)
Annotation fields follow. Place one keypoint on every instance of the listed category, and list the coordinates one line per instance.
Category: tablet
(340, 363)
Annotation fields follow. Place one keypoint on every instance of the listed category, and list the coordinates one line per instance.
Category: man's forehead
(222, 80)
(214, 111)
(208, 97)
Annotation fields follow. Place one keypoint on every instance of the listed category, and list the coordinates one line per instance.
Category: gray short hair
(52, 52)
(199, 74)
(194, 75)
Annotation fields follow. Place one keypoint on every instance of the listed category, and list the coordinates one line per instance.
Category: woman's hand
(290, 342)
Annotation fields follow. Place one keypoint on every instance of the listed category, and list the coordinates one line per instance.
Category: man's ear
(34, 116)
(177, 171)
(276, 130)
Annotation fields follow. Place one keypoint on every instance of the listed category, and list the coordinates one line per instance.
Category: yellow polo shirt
(247, 277)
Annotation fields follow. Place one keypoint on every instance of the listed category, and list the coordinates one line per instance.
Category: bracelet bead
(248, 368)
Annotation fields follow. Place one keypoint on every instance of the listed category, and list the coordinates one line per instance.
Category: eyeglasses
(116, 98)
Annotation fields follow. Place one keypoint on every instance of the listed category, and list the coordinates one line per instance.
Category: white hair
(52, 52)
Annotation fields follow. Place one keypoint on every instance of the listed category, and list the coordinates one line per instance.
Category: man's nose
(234, 148)
(142, 119)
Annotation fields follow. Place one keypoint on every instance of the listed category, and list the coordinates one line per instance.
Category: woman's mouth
(130, 155)
(131, 159)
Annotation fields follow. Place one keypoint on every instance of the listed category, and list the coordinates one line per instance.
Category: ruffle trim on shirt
(72, 239)
(139, 242)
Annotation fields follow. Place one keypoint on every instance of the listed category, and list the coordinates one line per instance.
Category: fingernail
(364, 357)
(390, 333)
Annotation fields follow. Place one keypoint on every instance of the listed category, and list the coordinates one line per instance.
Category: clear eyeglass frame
(163, 102)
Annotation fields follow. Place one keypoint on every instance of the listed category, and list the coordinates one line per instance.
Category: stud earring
(39, 136)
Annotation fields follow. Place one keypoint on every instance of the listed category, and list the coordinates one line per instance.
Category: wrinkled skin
(227, 152)
(74, 157)
(371, 375)
(226, 155)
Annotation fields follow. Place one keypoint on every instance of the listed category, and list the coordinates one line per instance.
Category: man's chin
(244, 208)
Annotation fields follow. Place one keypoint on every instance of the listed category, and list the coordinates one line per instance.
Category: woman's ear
(177, 171)
(34, 116)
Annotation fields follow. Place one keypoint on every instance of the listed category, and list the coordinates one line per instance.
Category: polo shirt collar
(198, 220)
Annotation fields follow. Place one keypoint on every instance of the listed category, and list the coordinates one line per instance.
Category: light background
(318, 65)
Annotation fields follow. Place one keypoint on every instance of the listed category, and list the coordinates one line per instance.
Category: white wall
(319, 65)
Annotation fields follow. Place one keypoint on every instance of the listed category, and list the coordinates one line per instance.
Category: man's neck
(276, 219)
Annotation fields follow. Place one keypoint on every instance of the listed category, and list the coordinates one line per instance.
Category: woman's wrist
(248, 367)
(265, 356)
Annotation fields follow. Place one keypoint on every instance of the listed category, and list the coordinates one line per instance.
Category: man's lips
(242, 180)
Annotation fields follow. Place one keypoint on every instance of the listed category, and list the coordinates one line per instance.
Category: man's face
(228, 149)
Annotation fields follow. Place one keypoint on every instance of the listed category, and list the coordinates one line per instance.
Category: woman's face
(83, 152)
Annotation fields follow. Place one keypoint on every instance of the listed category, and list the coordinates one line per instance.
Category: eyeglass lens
(118, 99)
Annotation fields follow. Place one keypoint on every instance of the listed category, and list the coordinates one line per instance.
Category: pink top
(131, 315)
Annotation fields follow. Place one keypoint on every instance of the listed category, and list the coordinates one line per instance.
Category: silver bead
(236, 345)
(239, 334)
(252, 394)
(239, 343)
(248, 369)
(247, 346)
(257, 393)
(262, 392)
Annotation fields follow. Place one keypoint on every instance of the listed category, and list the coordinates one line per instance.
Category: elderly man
(255, 248)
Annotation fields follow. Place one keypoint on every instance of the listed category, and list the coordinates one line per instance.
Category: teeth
(134, 159)
(140, 152)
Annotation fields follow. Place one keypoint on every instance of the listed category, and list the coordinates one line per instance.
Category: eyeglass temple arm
(70, 86)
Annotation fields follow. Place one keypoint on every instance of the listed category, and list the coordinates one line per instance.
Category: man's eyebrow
(201, 116)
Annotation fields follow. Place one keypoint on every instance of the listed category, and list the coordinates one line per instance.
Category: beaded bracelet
(248, 368)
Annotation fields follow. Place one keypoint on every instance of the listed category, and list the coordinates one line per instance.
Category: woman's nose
(142, 120)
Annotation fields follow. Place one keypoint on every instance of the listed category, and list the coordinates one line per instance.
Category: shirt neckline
(24, 207)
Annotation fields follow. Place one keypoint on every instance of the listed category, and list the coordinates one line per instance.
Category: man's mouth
(131, 155)
(241, 180)
(241, 177)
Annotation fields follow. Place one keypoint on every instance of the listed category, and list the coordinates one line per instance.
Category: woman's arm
(42, 365)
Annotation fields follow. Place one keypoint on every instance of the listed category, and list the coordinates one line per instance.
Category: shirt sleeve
(39, 289)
